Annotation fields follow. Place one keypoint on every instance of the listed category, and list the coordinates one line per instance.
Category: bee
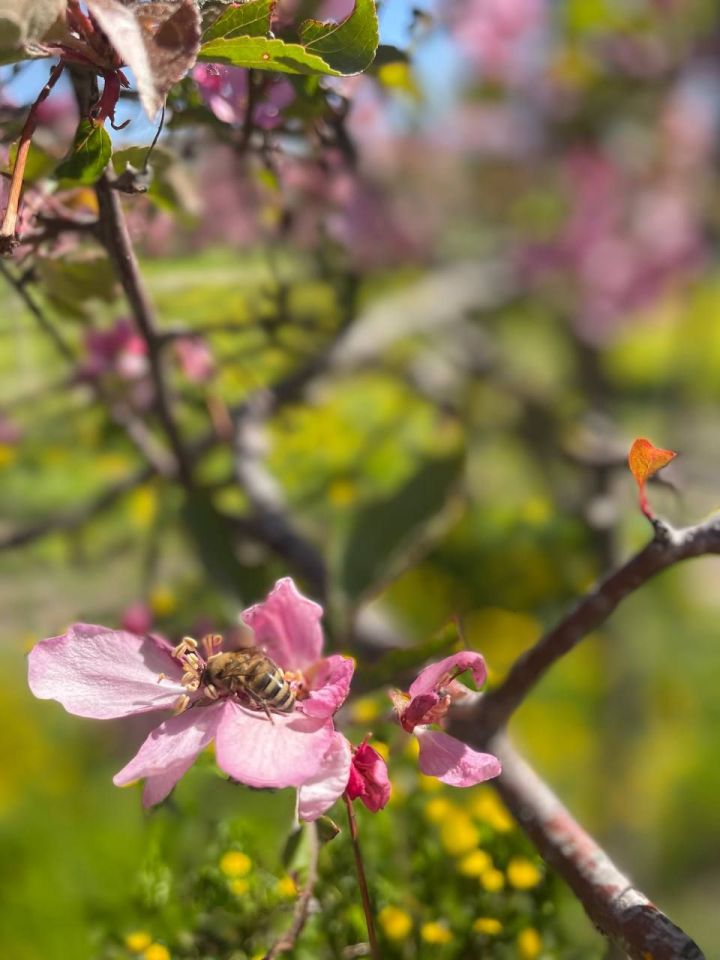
(253, 675)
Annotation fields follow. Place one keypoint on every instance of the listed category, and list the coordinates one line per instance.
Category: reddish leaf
(644, 461)
(157, 39)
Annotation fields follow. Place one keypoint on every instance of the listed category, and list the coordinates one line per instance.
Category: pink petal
(330, 681)
(287, 625)
(321, 791)
(434, 675)
(452, 761)
(283, 753)
(369, 778)
(170, 751)
(96, 672)
(415, 712)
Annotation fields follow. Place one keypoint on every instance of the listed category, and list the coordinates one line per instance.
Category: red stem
(362, 879)
(7, 231)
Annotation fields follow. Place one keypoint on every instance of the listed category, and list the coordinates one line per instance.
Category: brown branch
(288, 940)
(618, 909)
(116, 239)
(668, 547)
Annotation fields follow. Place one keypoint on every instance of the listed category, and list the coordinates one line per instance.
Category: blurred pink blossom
(500, 37)
(118, 350)
(225, 90)
(427, 702)
(195, 358)
(137, 618)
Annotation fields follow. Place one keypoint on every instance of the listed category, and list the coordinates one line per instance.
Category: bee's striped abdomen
(266, 682)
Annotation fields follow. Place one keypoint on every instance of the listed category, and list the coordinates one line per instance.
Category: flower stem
(8, 239)
(362, 879)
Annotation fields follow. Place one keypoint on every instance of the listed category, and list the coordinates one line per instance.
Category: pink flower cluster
(100, 673)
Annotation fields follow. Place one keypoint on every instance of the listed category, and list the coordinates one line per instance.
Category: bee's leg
(260, 705)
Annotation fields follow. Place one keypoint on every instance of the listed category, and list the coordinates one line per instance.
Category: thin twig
(288, 940)
(618, 909)
(116, 240)
(362, 879)
(8, 238)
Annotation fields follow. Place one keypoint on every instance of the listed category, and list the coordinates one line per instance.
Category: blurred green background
(517, 277)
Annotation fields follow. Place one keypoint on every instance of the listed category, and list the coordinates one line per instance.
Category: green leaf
(383, 534)
(251, 19)
(336, 49)
(90, 154)
(348, 47)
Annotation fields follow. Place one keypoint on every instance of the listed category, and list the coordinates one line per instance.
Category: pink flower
(369, 779)
(101, 673)
(427, 702)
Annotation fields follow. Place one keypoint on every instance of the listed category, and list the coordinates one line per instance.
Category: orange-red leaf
(644, 460)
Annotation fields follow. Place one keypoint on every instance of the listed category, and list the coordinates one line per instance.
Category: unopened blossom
(96, 672)
(369, 781)
(426, 704)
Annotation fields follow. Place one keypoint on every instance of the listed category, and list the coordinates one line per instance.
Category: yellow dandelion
(142, 507)
(523, 874)
(412, 748)
(429, 784)
(485, 805)
(156, 951)
(492, 881)
(286, 887)
(395, 923)
(239, 887)
(529, 944)
(234, 863)
(475, 864)
(458, 834)
(435, 932)
(8, 455)
(364, 710)
(438, 809)
(163, 601)
(382, 748)
(488, 926)
(138, 940)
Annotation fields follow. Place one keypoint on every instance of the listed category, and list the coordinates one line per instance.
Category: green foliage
(239, 38)
(89, 155)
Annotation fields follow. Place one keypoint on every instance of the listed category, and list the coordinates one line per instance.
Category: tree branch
(116, 239)
(668, 547)
(621, 912)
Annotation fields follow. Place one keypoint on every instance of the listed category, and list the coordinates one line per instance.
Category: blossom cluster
(101, 673)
